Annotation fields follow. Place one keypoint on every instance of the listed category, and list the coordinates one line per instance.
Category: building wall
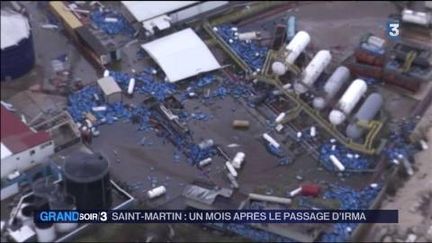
(26, 159)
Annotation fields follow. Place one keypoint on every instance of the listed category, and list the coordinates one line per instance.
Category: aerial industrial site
(216, 105)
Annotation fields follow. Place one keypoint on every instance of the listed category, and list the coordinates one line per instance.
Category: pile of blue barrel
(120, 26)
(349, 199)
(252, 53)
(349, 158)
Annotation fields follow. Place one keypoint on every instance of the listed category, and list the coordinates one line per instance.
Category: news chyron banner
(218, 216)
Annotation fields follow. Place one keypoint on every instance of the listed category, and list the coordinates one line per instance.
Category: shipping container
(366, 57)
(400, 80)
(365, 70)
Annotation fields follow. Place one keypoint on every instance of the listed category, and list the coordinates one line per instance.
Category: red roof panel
(16, 135)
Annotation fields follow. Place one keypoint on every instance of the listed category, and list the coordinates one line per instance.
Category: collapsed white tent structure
(181, 55)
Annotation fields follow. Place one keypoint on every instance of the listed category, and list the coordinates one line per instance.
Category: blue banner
(218, 216)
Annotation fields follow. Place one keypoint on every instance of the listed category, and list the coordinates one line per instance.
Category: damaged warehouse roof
(144, 10)
(172, 60)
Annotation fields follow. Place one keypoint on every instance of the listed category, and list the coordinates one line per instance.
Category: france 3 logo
(393, 29)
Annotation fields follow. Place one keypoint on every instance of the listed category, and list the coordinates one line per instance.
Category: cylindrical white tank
(204, 162)
(279, 68)
(271, 140)
(45, 232)
(25, 214)
(253, 35)
(414, 17)
(156, 192)
(231, 169)
(294, 192)
(260, 197)
(280, 117)
(337, 163)
(131, 86)
(296, 46)
(348, 101)
(332, 86)
(367, 111)
(313, 70)
(238, 160)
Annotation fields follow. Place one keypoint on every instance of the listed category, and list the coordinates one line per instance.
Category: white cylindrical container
(313, 70)
(294, 192)
(299, 134)
(99, 108)
(231, 169)
(313, 131)
(63, 203)
(287, 86)
(45, 232)
(156, 192)
(296, 46)
(106, 73)
(336, 162)
(348, 101)
(280, 117)
(260, 197)
(131, 86)
(271, 140)
(367, 111)
(253, 35)
(238, 160)
(414, 17)
(279, 68)
(332, 86)
(423, 145)
(204, 162)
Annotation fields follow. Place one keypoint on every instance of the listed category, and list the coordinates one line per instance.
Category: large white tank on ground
(367, 112)
(313, 70)
(332, 86)
(294, 48)
(45, 232)
(348, 101)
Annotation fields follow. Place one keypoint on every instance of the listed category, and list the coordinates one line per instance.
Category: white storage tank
(332, 86)
(131, 86)
(45, 232)
(420, 18)
(294, 48)
(313, 70)
(367, 112)
(156, 192)
(348, 101)
(63, 202)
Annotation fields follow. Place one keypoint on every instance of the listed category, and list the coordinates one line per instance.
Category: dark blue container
(17, 60)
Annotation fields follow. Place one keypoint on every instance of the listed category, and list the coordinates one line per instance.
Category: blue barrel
(17, 55)
(291, 28)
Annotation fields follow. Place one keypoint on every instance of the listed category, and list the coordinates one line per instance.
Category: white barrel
(279, 68)
(271, 140)
(296, 46)
(99, 108)
(414, 17)
(204, 162)
(348, 101)
(131, 86)
(313, 70)
(231, 169)
(106, 73)
(260, 197)
(313, 131)
(280, 117)
(45, 232)
(332, 86)
(295, 192)
(238, 160)
(336, 162)
(253, 35)
(156, 192)
(423, 144)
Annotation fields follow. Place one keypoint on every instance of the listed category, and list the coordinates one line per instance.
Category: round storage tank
(367, 112)
(17, 52)
(87, 179)
(63, 202)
